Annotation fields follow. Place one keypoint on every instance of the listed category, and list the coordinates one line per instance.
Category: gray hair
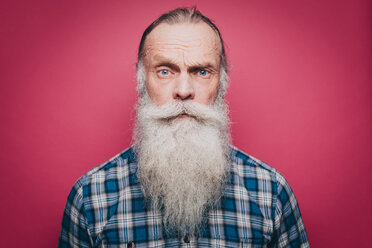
(181, 15)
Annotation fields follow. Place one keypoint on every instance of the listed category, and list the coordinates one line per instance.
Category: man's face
(182, 162)
(182, 62)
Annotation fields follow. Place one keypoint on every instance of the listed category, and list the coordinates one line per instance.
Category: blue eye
(203, 73)
(164, 72)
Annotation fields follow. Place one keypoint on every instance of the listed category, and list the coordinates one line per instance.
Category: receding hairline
(183, 15)
(150, 36)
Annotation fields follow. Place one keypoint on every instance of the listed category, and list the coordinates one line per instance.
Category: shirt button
(186, 239)
(131, 244)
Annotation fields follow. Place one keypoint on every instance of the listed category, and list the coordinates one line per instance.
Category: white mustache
(174, 109)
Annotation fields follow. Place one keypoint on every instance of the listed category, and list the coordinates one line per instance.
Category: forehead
(187, 41)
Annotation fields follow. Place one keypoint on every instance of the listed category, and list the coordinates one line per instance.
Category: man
(182, 184)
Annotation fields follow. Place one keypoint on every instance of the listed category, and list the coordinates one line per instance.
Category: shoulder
(255, 173)
(96, 194)
(246, 163)
(109, 177)
(269, 191)
(125, 161)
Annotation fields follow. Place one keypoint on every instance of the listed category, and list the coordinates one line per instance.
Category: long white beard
(182, 162)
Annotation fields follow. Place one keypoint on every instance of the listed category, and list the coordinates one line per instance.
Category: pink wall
(300, 100)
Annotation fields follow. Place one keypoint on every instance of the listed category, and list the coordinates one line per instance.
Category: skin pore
(182, 62)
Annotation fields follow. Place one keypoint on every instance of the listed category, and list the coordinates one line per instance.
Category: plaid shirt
(105, 208)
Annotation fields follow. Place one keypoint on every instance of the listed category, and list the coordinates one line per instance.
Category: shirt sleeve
(289, 229)
(74, 230)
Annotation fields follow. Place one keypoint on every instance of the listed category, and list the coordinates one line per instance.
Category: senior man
(182, 184)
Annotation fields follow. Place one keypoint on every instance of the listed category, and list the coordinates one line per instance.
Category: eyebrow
(171, 65)
(163, 61)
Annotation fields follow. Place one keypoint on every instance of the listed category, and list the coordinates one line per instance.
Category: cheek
(206, 94)
(213, 89)
(159, 93)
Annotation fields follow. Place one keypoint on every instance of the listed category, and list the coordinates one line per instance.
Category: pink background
(300, 100)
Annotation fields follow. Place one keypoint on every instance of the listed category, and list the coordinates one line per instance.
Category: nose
(184, 89)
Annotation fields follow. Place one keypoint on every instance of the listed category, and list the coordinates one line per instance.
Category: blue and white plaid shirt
(105, 208)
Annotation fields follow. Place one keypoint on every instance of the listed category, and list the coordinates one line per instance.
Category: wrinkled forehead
(183, 39)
